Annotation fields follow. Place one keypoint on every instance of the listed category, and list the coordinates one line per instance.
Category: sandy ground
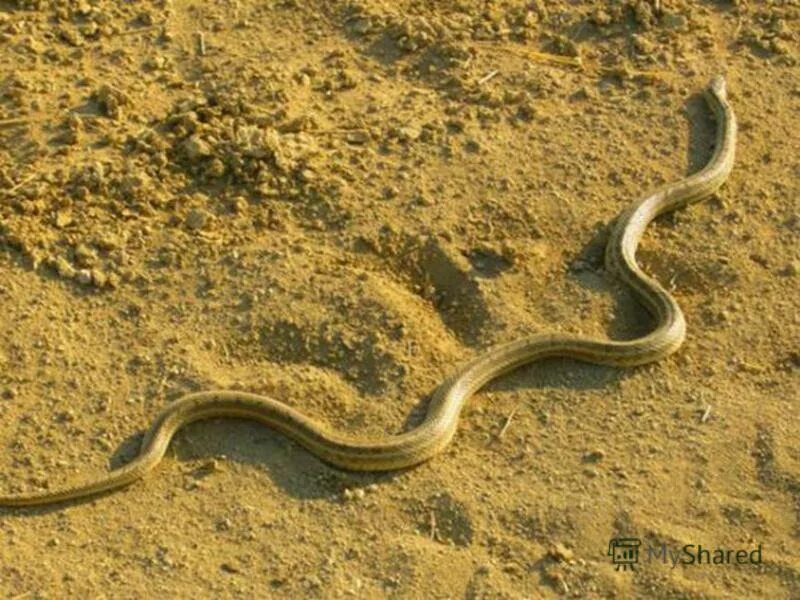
(337, 203)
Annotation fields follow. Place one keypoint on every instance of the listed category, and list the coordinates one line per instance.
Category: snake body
(435, 432)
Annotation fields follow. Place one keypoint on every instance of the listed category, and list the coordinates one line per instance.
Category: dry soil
(336, 203)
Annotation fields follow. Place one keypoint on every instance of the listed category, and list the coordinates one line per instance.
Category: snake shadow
(202, 449)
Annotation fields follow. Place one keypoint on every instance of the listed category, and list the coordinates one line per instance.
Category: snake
(435, 432)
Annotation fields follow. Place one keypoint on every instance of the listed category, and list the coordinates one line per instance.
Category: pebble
(561, 553)
(601, 17)
(99, 278)
(409, 133)
(215, 168)
(156, 63)
(195, 148)
(108, 241)
(64, 268)
(673, 21)
(197, 219)
(85, 256)
(112, 280)
(111, 100)
(594, 456)
(104, 444)
(84, 276)
(239, 204)
(63, 218)
(357, 136)
(354, 495)
(643, 45)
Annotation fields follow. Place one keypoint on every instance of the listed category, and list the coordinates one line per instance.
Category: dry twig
(507, 424)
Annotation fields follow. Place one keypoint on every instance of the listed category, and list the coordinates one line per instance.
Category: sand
(338, 203)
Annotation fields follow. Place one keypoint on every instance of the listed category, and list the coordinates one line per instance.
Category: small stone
(195, 148)
(561, 553)
(156, 63)
(145, 18)
(108, 241)
(112, 280)
(104, 444)
(673, 21)
(64, 269)
(111, 100)
(239, 204)
(207, 468)
(594, 456)
(84, 276)
(197, 219)
(89, 30)
(643, 45)
(409, 133)
(85, 256)
(215, 168)
(83, 9)
(99, 279)
(601, 17)
(357, 136)
(354, 495)
(63, 218)
(70, 36)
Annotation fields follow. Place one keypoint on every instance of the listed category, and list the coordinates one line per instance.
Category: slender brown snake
(435, 432)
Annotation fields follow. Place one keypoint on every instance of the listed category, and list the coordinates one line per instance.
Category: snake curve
(435, 432)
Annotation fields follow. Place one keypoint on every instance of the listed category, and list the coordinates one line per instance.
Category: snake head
(717, 86)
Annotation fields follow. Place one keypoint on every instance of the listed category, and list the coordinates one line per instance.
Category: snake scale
(435, 432)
